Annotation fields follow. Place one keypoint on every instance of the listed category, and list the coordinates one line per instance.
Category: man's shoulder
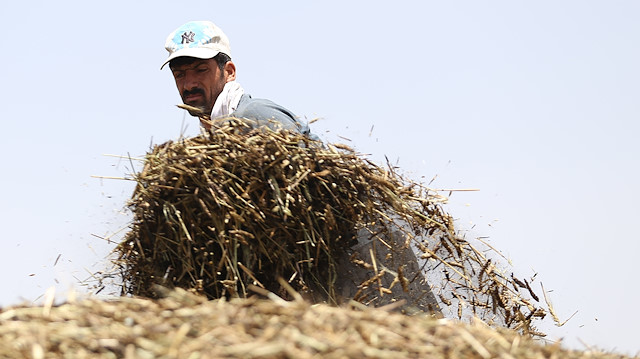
(268, 113)
(262, 110)
(257, 106)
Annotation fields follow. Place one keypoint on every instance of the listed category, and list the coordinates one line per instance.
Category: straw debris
(237, 207)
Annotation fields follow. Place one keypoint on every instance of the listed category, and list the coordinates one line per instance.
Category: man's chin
(196, 110)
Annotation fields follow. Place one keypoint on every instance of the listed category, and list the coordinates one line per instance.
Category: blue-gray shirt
(269, 114)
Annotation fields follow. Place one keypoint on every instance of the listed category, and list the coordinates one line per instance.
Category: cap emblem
(187, 37)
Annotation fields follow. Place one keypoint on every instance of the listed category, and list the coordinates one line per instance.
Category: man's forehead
(185, 62)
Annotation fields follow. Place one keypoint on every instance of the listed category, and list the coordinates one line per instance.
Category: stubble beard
(201, 108)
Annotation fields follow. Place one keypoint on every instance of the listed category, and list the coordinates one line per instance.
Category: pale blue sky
(535, 103)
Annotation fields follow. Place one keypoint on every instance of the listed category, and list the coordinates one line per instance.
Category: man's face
(199, 81)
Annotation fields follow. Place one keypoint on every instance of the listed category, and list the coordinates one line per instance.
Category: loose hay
(236, 207)
(183, 325)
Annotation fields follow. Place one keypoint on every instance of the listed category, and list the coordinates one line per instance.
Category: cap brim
(200, 53)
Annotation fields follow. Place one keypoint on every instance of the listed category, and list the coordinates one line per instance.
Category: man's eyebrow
(189, 66)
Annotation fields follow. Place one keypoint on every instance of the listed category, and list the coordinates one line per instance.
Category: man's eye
(201, 70)
(178, 75)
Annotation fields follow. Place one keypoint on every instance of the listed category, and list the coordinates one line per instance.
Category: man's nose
(190, 82)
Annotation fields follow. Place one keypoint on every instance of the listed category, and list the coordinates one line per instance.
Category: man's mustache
(195, 91)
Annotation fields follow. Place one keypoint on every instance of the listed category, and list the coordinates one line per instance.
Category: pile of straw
(183, 325)
(236, 207)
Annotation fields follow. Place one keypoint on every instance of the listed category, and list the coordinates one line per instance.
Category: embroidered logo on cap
(187, 37)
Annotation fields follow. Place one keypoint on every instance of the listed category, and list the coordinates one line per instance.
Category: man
(200, 60)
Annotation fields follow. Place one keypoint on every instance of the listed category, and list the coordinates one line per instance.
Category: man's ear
(230, 71)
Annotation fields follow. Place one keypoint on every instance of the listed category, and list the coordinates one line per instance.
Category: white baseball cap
(200, 39)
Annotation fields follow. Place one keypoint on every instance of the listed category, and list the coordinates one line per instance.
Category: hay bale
(182, 325)
(235, 208)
